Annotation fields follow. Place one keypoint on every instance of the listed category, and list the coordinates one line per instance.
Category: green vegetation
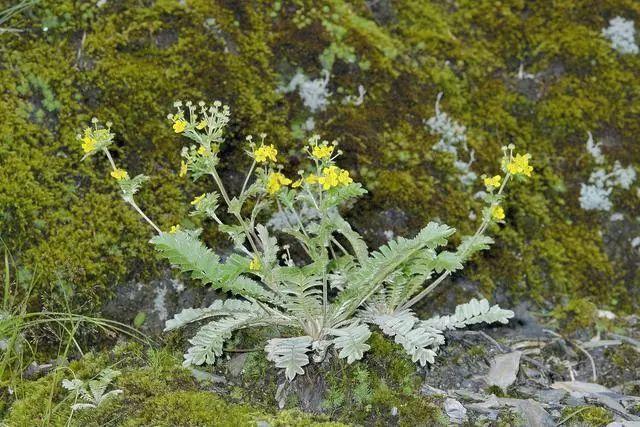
(63, 62)
(586, 416)
(128, 65)
(155, 391)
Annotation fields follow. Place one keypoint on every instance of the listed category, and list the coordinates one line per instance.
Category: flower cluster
(202, 124)
(119, 174)
(275, 181)
(331, 176)
(96, 138)
(322, 152)
(517, 165)
(265, 153)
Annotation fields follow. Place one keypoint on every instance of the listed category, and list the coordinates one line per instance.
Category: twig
(490, 339)
(571, 415)
(84, 38)
(626, 339)
(594, 375)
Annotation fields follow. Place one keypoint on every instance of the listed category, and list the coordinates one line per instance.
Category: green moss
(575, 315)
(587, 415)
(381, 390)
(509, 418)
(206, 408)
(625, 369)
(156, 391)
(127, 65)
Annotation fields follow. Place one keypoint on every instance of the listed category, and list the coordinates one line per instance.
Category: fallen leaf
(504, 369)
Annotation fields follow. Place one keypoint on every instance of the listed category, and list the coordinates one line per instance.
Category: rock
(579, 387)
(533, 413)
(595, 392)
(204, 376)
(159, 300)
(454, 409)
(504, 369)
(427, 390)
(236, 364)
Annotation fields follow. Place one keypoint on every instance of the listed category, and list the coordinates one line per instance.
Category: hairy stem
(131, 201)
(481, 229)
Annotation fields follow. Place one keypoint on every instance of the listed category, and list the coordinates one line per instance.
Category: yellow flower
(88, 143)
(119, 174)
(183, 169)
(203, 151)
(174, 228)
(497, 213)
(344, 177)
(179, 125)
(322, 151)
(297, 183)
(264, 153)
(254, 265)
(312, 179)
(197, 199)
(334, 176)
(520, 165)
(275, 181)
(492, 182)
(202, 125)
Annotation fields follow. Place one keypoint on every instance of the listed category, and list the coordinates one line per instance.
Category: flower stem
(131, 201)
(481, 229)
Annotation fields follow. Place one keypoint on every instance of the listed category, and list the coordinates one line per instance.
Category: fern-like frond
(471, 313)
(269, 245)
(186, 252)
(207, 344)
(219, 308)
(302, 288)
(366, 280)
(340, 194)
(473, 244)
(419, 342)
(351, 341)
(357, 243)
(289, 354)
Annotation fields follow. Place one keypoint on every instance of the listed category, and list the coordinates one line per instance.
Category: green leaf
(269, 245)
(447, 261)
(131, 186)
(186, 252)
(139, 319)
(235, 232)
(366, 280)
(340, 194)
(289, 354)
(235, 206)
(355, 240)
(219, 308)
(351, 341)
(473, 244)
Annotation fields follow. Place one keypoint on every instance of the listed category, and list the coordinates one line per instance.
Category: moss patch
(156, 391)
(587, 415)
(127, 65)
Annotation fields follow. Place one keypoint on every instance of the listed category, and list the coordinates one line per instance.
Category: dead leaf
(504, 369)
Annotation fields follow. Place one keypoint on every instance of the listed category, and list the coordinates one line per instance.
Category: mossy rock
(381, 389)
(62, 217)
(587, 416)
(155, 391)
